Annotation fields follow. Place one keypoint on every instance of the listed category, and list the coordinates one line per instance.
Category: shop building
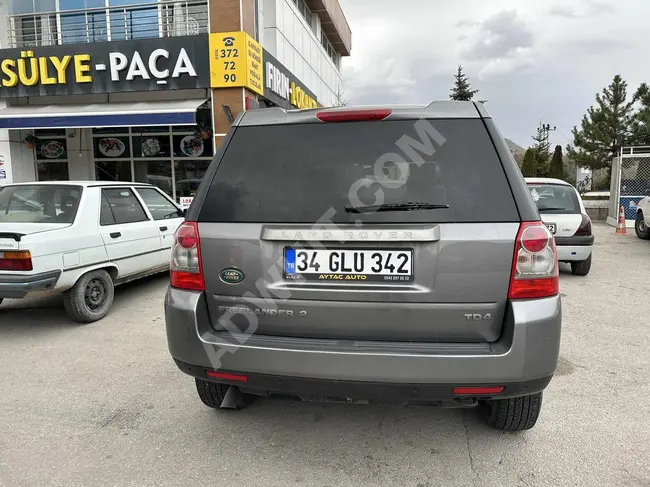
(145, 91)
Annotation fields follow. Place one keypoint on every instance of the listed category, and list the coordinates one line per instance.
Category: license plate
(348, 265)
(551, 227)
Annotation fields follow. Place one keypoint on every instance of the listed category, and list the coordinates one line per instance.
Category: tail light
(186, 267)
(338, 116)
(585, 227)
(16, 261)
(535, 267)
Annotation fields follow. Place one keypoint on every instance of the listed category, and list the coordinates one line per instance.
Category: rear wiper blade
(551, 209)
(396, 207)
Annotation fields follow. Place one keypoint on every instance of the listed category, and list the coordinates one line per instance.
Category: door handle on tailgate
(116, 235)
(163, 229)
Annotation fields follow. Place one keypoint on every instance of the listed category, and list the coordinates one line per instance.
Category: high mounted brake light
(535, 268)
(339, 116)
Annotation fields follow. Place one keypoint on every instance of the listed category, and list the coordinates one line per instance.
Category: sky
(532, 60)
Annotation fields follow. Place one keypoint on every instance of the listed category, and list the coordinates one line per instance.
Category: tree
(542, 149)
(529, 166)
(339, 99)
(462, 91)
(556, 169)
(641, 124)
(604, 128)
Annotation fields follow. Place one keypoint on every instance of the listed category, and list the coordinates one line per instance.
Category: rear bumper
(568, 253)
(575, 241)
(527, 351)
(18, 286)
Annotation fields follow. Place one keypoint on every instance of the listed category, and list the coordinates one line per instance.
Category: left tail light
(584, 230)
(20, 260)
(186, 266)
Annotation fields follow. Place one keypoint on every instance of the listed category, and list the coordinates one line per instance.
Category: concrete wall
(289, 37)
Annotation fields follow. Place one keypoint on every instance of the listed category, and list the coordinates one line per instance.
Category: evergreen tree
(529, 166)
(604, 129)
(556, 169)
(542, 149)
(641, 124)
(462, 91)
(339, 99)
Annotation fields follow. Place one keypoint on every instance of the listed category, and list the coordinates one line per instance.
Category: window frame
(148, 217)
(163, 195)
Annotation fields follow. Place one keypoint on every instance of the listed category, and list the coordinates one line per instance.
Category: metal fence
(630, 182)
(139, 21)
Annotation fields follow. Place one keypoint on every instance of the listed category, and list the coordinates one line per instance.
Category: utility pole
(546, 130)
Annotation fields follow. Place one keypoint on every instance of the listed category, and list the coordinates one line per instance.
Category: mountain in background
(517, 151)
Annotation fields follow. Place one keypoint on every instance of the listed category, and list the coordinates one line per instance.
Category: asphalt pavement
(104, 405)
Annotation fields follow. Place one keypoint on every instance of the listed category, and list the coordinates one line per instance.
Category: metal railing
(166, 18)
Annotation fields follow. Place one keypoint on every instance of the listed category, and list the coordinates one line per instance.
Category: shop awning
(100, 115)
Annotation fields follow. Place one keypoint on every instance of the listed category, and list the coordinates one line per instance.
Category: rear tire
(640, 227)
(515, 414)
(581, 267)
(212, 394)
(91, 298)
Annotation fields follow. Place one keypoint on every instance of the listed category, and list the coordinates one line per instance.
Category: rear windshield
(39, 203)
(299, 173)
(555, 198)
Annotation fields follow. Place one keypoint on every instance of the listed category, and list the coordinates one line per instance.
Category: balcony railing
(139, 21)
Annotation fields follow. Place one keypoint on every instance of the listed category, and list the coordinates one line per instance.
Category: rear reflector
(16, 261)
(477, 391)
(226, 376)
(339, 116)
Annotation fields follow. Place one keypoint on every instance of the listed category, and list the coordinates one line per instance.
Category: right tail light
(584, 230)
(186, 267)
(535, 268)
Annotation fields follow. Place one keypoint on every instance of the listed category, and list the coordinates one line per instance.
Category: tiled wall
(288, 36)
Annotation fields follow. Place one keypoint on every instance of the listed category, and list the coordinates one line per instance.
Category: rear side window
(121, 206)
(159, 206)
(298, 173)
(39, 203)
(555, 198)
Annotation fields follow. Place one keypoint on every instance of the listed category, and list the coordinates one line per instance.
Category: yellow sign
(236, 61)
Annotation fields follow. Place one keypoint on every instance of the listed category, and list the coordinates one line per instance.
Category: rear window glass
(298, 173)
(555, 198)
(39, 203)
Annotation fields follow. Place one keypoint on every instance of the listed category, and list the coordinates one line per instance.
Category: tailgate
(307, 265)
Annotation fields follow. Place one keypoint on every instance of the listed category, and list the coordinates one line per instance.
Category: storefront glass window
(174, 159)
(189, 174)
(113, 171)
(51, 155)
(158, 173)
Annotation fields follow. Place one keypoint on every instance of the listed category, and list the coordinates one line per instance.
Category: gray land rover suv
(367, 255)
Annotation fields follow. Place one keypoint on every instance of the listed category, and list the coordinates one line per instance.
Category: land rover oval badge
(231, 275)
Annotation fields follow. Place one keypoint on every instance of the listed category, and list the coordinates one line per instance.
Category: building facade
(146, 90)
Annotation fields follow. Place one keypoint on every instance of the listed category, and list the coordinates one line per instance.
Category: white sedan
(563, 212)
(82, 239)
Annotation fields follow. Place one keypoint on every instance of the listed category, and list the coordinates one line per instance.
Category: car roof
(85, 184)
(547, 181)
(435, 109)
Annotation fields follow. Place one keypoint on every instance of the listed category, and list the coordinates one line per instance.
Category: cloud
(500, 35)
(563, 11)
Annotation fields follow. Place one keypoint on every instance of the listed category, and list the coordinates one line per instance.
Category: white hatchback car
(563, 212)
(81, 239)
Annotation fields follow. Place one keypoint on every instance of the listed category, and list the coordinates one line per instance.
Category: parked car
(640, 225)
(564, 213)
(328, 272)
(82, 239)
